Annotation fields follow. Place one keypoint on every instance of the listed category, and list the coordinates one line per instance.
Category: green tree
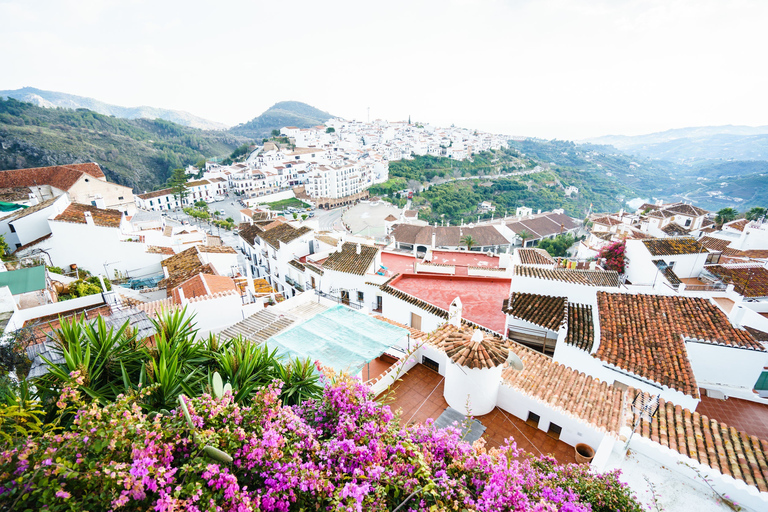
(201, 205)
(4, 248)
(275, 133)
(468, 241)
(178, 184)
(725, 215)
(330, 129)
(524, 235)
(557, 247)
(756, 213)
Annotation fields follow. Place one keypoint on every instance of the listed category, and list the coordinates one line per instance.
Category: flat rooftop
(465, 258)
(397, 263)
(419, 396)
(481, 297)
(744, 415)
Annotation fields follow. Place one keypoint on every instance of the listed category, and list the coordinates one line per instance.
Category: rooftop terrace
(481, 298)
(419, 396)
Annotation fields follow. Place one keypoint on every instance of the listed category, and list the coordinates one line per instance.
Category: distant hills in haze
(285, 113)
(694, 144)
(52, 99)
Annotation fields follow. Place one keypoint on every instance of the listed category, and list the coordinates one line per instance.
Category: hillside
(710, 184)
(285, 113)
(476, 181)
(136, 152)
(52, 99)
(693, 144)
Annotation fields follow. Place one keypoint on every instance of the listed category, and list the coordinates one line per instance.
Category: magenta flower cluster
(344, 451)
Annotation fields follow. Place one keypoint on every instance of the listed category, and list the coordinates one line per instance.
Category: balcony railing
(294, 284)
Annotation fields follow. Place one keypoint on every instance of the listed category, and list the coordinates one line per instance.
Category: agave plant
(100, 353)
(247, 366)
(300, 381)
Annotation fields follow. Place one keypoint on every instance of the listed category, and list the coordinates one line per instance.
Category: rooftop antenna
(644, 407)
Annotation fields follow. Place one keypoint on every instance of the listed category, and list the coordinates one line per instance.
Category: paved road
(328, 218)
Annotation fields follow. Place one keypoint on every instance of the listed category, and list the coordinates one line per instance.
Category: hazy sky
(549, 68)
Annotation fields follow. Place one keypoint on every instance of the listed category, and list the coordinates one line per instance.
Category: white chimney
(88, 218)
(477, 336)
(358, 249)
(454, 312)
(434, 239)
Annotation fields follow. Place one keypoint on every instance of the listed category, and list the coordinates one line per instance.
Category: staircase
(258, 327)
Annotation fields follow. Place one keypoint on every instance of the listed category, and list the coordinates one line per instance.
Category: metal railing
(294, 284)
(350, 303)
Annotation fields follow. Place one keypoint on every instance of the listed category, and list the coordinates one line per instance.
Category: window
(13, 229)
(18, 245)
(554, 431)
(533, 419)
(431, 364)
(360, 296)
(120, 198)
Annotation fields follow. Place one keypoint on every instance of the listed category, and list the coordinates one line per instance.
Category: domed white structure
(473, 373)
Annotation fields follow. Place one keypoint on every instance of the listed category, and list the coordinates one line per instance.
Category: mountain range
(52, 99)
(695, 144)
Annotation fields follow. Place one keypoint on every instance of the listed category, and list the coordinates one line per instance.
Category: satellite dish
(514, 362)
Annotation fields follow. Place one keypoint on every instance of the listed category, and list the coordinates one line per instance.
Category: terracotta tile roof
(585, 277)
(575, 393)
(61, 177)
(75, 212)
(347, 260)
(297, 265)
(248, 232)
(328, 240)
(183, 266)
(202, 285)
(607, 221)
(390, 218)
(675, 229)
(662, 214)
(447, 236)
(426, 306)
(543, 310)
(411, 213)
(415, 333)
(156, 249)
(282, 232)
(749, 281)
(644, 334)
(314, 267)
(714, 244)
(14, 194)
(535, 257)
(708, 442)
(738, 225)
(673, 246)
(216, 249)
(751, 254)
(458, 345)
(686, 209)
(157, 193)
(581, 330)
(544, 225)
(23, 212)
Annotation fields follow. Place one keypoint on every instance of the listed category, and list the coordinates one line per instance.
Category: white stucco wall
(726, 368)
(94, 247)
(471, 391)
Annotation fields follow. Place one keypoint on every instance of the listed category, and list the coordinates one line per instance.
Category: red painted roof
(481, 298)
